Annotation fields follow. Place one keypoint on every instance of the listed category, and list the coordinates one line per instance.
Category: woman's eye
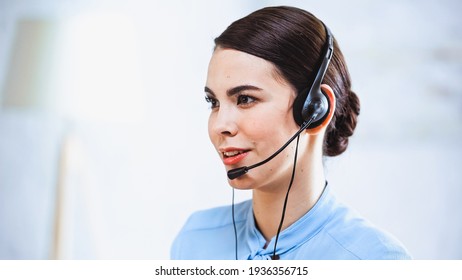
(212, 101)
(245, 99)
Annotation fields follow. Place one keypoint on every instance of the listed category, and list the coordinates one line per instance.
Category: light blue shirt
(330, 230)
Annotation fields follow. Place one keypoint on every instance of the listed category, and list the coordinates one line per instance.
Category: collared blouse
(329, 230)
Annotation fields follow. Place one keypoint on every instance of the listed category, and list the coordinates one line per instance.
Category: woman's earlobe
(329, 93)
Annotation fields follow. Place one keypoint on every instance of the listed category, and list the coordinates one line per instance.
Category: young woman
(280, 98)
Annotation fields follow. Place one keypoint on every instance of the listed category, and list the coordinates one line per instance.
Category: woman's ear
(329, 93)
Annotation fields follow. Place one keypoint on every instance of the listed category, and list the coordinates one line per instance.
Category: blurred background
(104, 150)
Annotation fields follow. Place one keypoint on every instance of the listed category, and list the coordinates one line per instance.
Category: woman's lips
(233, 156)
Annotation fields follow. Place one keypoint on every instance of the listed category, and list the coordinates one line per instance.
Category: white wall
(132, 185)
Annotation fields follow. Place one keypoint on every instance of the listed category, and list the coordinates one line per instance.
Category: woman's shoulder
(217, 217)
(363, 239)
(206, 232)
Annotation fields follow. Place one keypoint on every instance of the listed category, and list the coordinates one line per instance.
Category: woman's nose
(224, 122)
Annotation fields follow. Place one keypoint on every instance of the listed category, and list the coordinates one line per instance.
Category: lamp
(28, 85)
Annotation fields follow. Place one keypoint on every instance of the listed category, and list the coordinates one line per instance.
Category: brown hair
(293, 39)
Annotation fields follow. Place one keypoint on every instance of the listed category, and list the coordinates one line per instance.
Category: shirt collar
(292, 237)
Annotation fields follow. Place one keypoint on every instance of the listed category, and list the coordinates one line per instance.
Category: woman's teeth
(233, 153)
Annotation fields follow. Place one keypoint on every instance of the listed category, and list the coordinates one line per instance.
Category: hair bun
(343, 126)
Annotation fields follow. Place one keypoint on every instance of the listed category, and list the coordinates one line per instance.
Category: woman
(272, 121)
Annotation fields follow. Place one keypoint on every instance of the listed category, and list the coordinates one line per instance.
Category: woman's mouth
(231, 157)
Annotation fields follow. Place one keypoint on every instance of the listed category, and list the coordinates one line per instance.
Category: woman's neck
(306, 189)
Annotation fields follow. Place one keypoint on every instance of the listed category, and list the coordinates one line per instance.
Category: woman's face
(251, 117)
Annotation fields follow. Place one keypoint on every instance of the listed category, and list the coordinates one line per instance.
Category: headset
(312, 100)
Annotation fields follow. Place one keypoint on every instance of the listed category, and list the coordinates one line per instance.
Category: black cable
(234, 225)
(274, 257)
(297, 135)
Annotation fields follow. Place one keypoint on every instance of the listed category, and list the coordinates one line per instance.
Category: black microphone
(238, 172)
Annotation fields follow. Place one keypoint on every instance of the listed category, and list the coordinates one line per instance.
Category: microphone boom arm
(237, 172)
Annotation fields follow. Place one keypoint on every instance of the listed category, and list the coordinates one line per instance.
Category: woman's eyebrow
(238, 89)
(234, 90)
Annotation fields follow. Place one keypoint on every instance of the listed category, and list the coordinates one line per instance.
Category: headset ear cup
(314, 102)
(302, 103)
(323, 103)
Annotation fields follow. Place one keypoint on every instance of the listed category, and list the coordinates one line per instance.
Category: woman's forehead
(233, 66)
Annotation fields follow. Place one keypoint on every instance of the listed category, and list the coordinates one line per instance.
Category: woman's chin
(240, 184)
